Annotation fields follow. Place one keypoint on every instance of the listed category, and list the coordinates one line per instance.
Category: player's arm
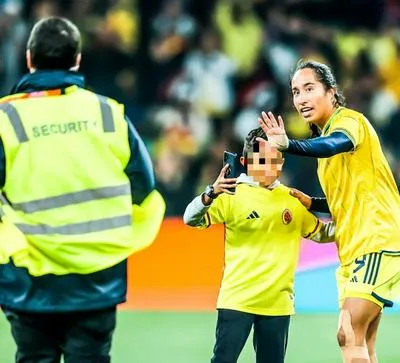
(314, 204)
(321, 147)
(325, 232)
(316, 229)
(345, 136)
(209, 207)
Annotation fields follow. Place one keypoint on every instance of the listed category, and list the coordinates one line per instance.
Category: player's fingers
(274, 123)
(302, 197)
(227, 185)
(280, 122)
(223, 171)
(228, 180)
(294, 192)
(266, 119)
(263, 125)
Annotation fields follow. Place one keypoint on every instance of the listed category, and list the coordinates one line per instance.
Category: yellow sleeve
(223, 16)
(311, 224)
(218, 213)
(351, 127)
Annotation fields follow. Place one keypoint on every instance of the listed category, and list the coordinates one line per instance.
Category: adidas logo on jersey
(253, 215)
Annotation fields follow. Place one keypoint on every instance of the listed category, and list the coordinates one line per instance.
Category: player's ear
(242, 160)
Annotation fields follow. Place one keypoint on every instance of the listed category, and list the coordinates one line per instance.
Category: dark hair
(324, 75)
(54, 43)
(250, 142)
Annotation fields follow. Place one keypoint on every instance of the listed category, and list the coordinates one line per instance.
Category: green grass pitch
(161, 337)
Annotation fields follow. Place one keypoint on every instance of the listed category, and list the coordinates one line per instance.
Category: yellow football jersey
(360, 190)
(263, 229)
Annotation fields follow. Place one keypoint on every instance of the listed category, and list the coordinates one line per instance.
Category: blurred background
(194, 75)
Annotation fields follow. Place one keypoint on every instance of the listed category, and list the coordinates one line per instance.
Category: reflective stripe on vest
(15, 120)
(77, 228)
(71, 198)
(106, 114)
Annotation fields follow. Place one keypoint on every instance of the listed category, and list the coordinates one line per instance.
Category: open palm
(274, 129)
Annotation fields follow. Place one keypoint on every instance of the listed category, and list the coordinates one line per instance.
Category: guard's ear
(29, 61)
(77, 63)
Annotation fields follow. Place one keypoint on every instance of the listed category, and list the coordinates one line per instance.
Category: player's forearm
(325, 234)
(195, 213)
(319, 205)
(321, 147)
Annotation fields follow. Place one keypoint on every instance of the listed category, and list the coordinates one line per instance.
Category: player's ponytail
(339, 98)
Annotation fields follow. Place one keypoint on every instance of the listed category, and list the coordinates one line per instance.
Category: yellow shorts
(374, 276)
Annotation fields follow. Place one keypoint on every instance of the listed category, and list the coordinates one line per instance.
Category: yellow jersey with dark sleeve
(360, 190)
(263, 229)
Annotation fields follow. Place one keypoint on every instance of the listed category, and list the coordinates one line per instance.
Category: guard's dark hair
(54, 43)
(324, 75)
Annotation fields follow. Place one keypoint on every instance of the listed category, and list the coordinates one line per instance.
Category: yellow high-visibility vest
(66, 189)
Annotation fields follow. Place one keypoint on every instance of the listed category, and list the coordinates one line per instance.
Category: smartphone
(230, 158)
(235, 168)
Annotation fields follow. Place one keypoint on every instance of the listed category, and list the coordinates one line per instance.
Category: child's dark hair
(324, 75)
(250, 143)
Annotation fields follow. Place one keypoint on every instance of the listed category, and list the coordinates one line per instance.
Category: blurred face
(264, 164)
(209, 42)
(311, 100)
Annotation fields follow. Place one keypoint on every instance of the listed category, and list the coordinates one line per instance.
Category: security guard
(78, 198)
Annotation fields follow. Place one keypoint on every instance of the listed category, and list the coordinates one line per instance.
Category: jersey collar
(328, 124)
(246, 179)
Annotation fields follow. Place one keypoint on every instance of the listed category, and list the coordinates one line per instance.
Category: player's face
(312, 101)
(264, 164)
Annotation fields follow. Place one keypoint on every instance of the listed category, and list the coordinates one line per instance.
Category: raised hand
(274, 129)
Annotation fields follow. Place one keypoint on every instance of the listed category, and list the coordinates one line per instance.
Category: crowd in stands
(195, 75)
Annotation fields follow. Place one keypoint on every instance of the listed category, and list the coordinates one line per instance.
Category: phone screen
(231, 159)
(235, 168)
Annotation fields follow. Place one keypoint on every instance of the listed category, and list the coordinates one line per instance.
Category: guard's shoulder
(12, 98)
(102, 98)
(115, 105)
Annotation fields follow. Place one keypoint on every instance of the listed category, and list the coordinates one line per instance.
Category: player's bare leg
(371, 338)
(356, 316)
